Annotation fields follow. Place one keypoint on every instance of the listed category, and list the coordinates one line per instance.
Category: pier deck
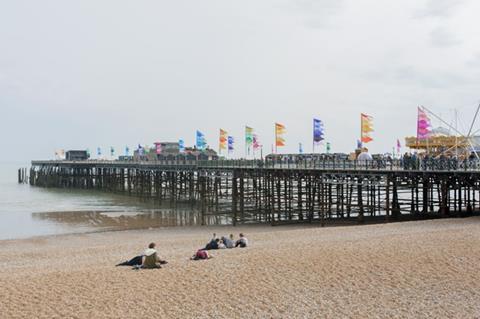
(244, 191)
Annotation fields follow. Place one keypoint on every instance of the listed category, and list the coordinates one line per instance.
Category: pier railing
(353, 165)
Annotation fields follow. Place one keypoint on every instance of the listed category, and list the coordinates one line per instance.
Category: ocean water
(27, 211)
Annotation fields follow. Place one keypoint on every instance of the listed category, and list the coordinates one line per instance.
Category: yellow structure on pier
(436, 145)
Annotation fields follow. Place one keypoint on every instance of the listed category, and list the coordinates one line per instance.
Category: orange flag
(279, 131)
(366, 128)
(222, 141)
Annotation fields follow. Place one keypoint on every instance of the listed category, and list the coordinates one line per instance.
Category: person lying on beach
(242, 242)
(200, 255)
(229, 242)
(138, 261)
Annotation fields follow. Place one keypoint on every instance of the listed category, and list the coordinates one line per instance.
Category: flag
(248, 138)
(181, 146)
(201, 142)
(231, 141)
(127, 150)
(359, 144)
(279, 132)
(300, 148)
(222, 141)
(99, 151)
(328, 147)
(318, 131)
(112, 151)
(424, 126)
(140, 150)
(256, 142)
(158, 148)
(399, 146)
(366, 128)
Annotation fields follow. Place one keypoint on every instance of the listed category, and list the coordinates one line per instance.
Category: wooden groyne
(268, 192)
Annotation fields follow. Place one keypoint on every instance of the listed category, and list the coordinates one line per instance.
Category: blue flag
(231, 141)
(359, 144)
(200, 141)
(318, 131)
(181, 146)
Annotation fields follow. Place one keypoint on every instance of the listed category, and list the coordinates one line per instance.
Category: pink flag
(424, 127)
(256, 142)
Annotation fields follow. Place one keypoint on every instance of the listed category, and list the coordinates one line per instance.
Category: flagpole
(276, 138)
(245, 141)
(361, 129)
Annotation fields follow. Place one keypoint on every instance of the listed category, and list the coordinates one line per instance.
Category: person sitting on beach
(139, 260)
(242, 242)
(229, 242)
(151, 259)
(213, 244)
(221, 245)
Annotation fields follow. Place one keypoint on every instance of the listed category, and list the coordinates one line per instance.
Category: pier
(260, 191)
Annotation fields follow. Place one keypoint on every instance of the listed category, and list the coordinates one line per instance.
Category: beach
(421, 269)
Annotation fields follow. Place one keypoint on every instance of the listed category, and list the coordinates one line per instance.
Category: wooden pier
(268, 192)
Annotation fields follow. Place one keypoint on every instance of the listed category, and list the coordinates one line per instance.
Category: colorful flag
(248, 138)
(201, 142)
(424, 126)
(366, 128)
(279, 132)
(318, 131)
(181, 145)
(231, 141)
(256, 142)
(222, 141)
(158, 148)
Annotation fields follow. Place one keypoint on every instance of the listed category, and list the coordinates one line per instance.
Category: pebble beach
(421, 269)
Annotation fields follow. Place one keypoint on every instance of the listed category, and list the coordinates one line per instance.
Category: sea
(27, 211)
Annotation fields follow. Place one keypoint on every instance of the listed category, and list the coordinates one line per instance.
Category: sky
(88, 74)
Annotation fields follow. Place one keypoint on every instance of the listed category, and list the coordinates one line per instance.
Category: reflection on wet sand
(122, 220)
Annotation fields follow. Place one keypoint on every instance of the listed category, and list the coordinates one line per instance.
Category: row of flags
(226, 142)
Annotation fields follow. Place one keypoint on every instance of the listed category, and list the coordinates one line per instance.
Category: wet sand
(422, 269)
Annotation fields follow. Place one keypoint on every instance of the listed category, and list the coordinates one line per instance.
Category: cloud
(413, 76)
(315, 13)
(440, 8)
(442, 38)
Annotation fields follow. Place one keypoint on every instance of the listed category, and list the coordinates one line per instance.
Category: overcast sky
(82, 74)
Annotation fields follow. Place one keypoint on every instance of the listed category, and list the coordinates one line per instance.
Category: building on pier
(444, 142)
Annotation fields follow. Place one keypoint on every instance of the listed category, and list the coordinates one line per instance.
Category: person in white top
(364, 156)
